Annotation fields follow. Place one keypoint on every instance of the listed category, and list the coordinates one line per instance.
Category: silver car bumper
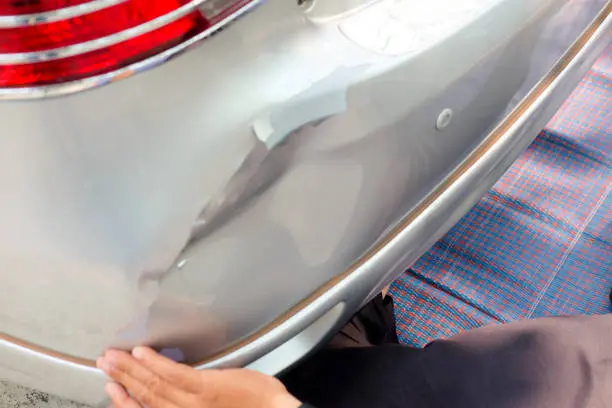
(357, 168)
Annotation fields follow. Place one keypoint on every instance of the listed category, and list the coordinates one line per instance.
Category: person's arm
(147, 379)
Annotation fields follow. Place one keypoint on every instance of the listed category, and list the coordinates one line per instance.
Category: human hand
(144, 378)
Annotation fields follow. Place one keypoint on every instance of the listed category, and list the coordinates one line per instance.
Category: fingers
(119, 397)
(180, 375)
(143, 385)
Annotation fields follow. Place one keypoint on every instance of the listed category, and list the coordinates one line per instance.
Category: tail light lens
(22, 7)
(45, 42)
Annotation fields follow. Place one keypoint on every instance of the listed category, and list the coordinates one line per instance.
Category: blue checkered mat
(540, 243)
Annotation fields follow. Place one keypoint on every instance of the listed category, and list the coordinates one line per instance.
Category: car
(229, 181)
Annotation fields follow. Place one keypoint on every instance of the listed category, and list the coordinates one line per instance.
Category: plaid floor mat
(540, 243)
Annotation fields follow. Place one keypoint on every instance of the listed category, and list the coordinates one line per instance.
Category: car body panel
(221, 203)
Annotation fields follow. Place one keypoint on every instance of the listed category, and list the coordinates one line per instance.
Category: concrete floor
(14, 396)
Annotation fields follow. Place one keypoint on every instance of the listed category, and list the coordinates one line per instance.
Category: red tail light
(20, 7)
(46, 42)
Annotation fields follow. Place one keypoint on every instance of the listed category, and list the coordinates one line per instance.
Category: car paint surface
(194, 204)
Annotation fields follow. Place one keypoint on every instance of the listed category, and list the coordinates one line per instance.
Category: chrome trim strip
(109, 40)
(56, 15)
(37, 92)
